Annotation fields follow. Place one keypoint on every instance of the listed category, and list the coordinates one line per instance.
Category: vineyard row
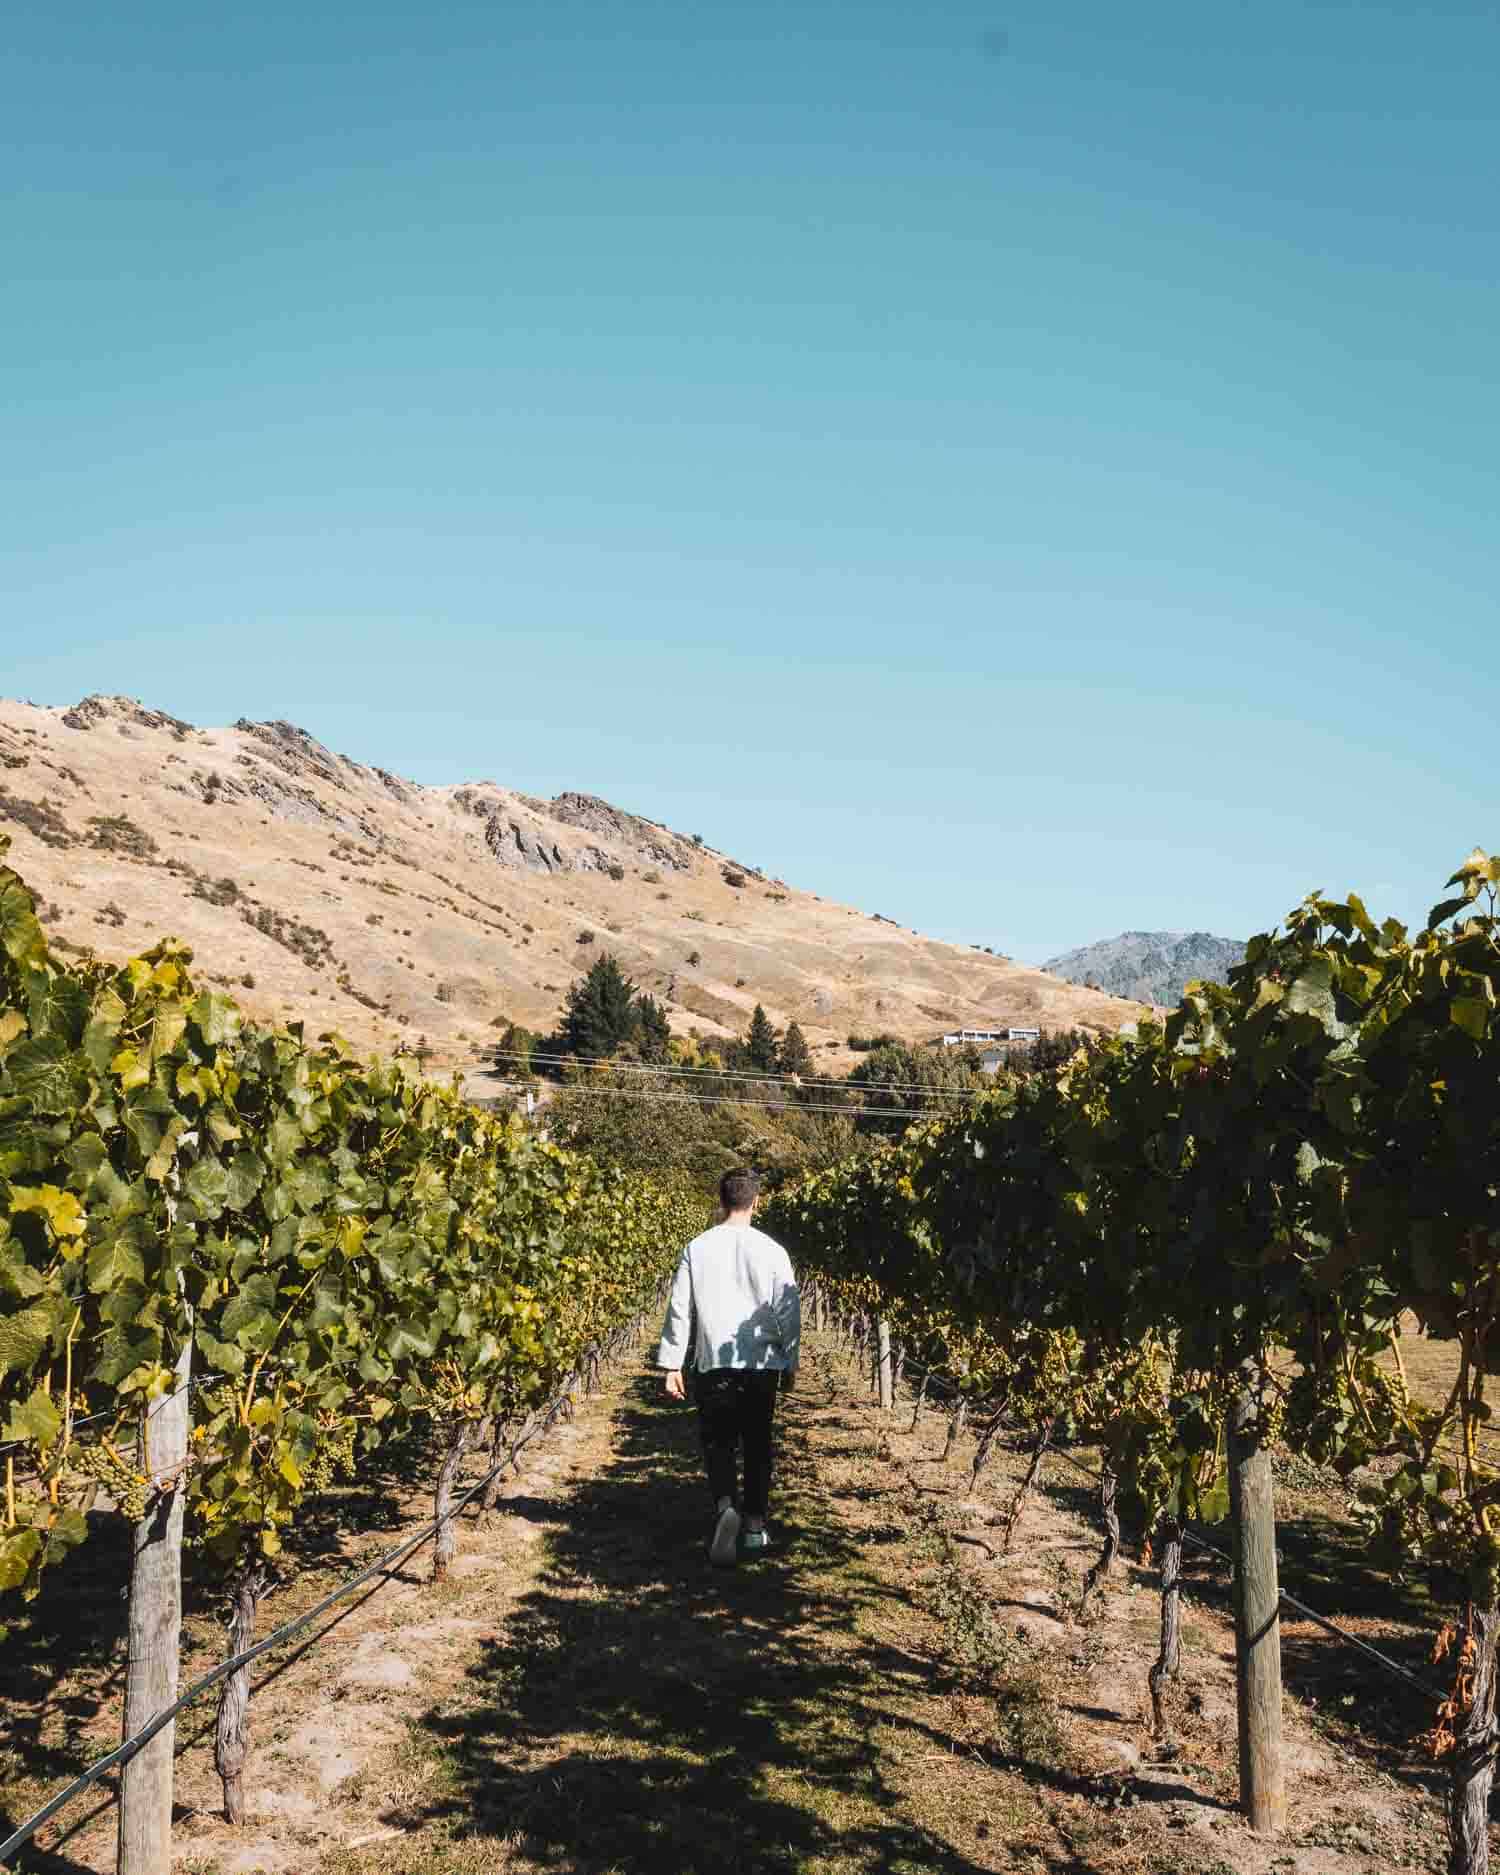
(1199, 1240)
(351, 1253)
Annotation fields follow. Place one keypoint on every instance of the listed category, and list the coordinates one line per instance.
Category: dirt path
(882, 1696)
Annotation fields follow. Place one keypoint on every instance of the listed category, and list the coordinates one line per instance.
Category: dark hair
(739, 1189)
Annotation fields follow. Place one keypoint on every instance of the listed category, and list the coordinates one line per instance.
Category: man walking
(739, 1284)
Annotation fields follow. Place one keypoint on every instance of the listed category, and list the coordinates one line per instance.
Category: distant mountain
(1150, 966)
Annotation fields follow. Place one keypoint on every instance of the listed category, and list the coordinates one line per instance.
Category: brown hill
(319, 889)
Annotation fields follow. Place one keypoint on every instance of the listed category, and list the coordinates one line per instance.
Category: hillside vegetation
(324, 890)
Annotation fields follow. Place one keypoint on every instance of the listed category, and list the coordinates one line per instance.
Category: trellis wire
(1200, 1543)
(126, 1751)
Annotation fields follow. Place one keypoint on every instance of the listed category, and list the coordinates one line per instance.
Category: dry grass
(1431, 1368)
(388, 917)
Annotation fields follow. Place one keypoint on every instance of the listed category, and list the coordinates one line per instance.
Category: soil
(885, 1692)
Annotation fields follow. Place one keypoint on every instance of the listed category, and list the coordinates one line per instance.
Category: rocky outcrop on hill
(1150, 966)
(649, 841)
(533, 849)
(297, 753)
(513, 845)
(126, 714)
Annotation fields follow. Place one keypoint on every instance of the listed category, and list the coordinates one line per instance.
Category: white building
(962, 1038)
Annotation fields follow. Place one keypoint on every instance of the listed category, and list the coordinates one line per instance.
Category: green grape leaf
(123, 1351)
(19, 1549)
(114, 1260)
(20, 933)
(220, 1356)
(34, 1418)
(24, 1337)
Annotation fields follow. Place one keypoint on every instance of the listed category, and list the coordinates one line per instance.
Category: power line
(729, 1074)
(746, 1075)
(719, 1100)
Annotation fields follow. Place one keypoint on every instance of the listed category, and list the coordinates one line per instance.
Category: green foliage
(650, 1128)
(796, 1056)
(1050, 1050)
(762, 1045)
(514, 1049)
(1257, 1187)
(343, 1245)
(605, 1015)
(653, 1032)
(600, 1013)
(897, 1076)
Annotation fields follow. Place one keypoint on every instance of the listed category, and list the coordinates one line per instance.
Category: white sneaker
(724, 1545)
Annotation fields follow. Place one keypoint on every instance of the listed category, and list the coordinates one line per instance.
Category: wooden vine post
(1257, 1610)
(153, 1634)
(883, 1374)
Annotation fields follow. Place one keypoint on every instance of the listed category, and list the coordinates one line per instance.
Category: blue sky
(1029, 471)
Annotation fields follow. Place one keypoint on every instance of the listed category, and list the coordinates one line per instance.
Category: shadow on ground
(1374, 1714)
(64, 1652)
(644, 1712)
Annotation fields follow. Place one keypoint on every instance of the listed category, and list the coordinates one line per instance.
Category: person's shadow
(644, 1711)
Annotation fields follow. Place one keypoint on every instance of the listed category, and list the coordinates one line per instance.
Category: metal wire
(720, 1100)
(122, 1754)
(737, 1074)
(90, 1419)
(1212, 1549)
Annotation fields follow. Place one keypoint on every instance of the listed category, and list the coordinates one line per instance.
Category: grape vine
(1217, 1221)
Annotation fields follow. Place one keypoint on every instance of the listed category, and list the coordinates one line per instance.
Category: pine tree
(762, 1048)
(601, 1011)
(513, 1050)
(653, 1030)
(796, 1056)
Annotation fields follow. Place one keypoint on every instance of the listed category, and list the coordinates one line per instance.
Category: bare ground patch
(885, 1692)
(325, 1707)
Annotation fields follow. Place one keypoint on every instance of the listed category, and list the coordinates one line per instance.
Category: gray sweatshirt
(739, 1284)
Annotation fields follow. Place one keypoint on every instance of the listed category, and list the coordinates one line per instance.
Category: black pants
(735, 1408)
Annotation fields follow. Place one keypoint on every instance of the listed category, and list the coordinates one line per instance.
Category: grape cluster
(334, 1458)
(129, 1487)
